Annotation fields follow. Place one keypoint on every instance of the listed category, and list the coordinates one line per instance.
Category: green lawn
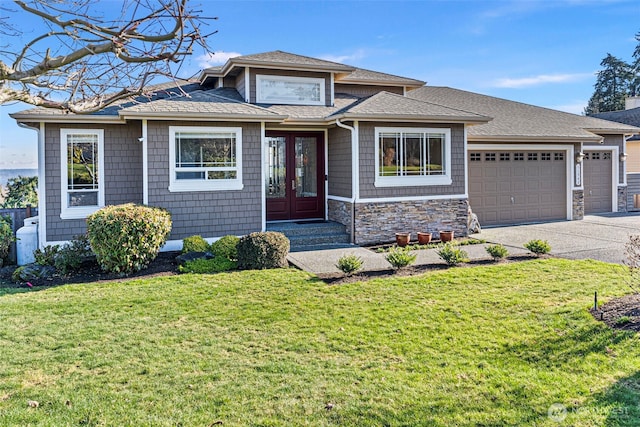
(482, 346)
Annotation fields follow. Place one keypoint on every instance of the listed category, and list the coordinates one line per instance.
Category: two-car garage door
(511, 187)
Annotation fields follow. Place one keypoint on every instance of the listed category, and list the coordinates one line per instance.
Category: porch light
(623, 157)
(579, 157)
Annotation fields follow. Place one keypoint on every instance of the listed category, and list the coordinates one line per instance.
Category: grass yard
(483, 346)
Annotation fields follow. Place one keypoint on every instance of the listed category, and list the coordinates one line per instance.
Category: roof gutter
(67, 118)
(355, 184)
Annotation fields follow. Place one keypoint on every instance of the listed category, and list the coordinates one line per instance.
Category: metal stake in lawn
(595, 305)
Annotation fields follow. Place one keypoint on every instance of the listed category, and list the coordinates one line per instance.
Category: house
(283, 137)
(630, 116)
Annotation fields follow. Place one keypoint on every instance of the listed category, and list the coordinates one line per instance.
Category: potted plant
(403, 239)
(424, 238)
(446, 235)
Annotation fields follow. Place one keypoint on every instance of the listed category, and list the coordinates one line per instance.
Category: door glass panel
(276, 168)
(306, 167)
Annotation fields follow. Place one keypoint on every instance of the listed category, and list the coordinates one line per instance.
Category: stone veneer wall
(578, 204)
(341, 212)
(378, 222)
(622, 199)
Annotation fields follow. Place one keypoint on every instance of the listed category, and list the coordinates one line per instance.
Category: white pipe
(355, 184)
(145, 164)
(42, 210)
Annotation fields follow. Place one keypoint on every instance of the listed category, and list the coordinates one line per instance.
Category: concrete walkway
(599, 237)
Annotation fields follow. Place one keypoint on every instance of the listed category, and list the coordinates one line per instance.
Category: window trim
(79, 212)
(187, 185)
(262, 77)
(412, 181)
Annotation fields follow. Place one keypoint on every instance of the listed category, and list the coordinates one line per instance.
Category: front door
(295, 175)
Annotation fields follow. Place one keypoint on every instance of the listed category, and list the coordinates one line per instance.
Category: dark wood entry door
(295, 175)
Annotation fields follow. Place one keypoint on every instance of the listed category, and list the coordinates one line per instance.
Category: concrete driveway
(599, 237)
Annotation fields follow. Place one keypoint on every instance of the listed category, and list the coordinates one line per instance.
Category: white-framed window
(412, 156)
(290, 90)
(205, 158)
(82, 172)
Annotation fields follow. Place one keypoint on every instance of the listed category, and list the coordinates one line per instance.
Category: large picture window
(290, 90)
(82, 172)
(408, 156)
(204, 159)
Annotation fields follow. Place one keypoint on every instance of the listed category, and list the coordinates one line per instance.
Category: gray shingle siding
(366, 90)
(339, 162)
(122, 174)
(208, 213)
(367, 164)
(239, 85)
(633, 191)
(265, 71)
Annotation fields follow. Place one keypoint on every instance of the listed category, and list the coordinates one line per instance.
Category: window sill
(183, 187)
(412, 182)
(78, 213)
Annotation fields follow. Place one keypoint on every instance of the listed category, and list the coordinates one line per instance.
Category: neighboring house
(283, 137)
(630, 116)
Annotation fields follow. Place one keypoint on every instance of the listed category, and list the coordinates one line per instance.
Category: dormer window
(290, 90)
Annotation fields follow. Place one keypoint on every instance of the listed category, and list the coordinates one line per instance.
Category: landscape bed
(490, 345)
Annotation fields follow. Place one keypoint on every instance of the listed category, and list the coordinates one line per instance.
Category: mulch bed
(164, 265)
(620, 313)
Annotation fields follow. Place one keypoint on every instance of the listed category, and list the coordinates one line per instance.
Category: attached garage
(598, 188)
(517, 186)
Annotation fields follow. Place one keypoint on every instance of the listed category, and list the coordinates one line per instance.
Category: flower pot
(446, 236)
(424, 238)
(402, 239)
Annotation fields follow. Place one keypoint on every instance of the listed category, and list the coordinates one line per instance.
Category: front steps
(312, 235)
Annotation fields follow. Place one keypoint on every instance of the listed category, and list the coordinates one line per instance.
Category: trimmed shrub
(226, 246)
(208, 266)
(497, 251)
(126, 238)
(400, 257)
(349, 264)
(47, 255)
(194, 244)
(452, 255)
(6, 237)
(538, 247)
(71, 255)
(262, 250)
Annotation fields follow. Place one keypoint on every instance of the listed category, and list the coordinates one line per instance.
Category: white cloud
(351, 57)
(574, 107)
(213, 59)
(540, 80)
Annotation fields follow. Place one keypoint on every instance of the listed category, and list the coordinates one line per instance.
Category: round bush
(258, 251)
(126, 238)
(194, 244)
(226, 247)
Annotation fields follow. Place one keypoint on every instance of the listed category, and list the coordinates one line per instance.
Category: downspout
(355, 184)
(42, 224)
(145, 164)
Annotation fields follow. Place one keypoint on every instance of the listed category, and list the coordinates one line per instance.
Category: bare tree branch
(83, 62)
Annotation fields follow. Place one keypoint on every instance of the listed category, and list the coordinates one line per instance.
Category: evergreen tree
(20, 192)
(612, 86)
(634, 89)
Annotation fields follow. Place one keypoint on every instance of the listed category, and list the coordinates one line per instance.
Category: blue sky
(543, 52)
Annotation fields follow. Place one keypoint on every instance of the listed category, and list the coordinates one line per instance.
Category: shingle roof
(385, 105)
(222, 102)
(629, 117)
(278, 57)
(515, 120)
(360, 75)
(341, 101)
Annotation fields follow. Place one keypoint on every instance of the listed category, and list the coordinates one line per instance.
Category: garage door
(597, 182)
(512, 187)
